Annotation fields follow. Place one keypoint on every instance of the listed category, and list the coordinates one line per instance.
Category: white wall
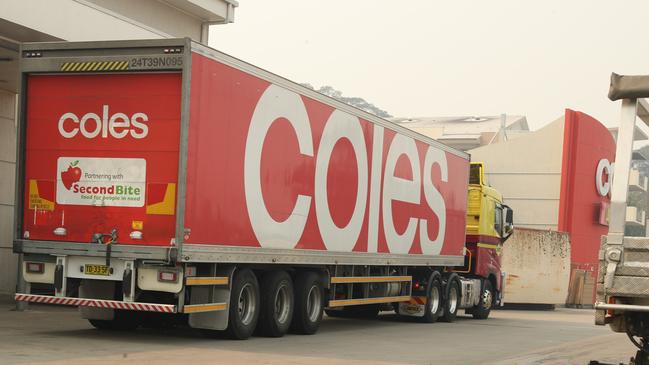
(527, 171)
(7, 174)
(72, 20)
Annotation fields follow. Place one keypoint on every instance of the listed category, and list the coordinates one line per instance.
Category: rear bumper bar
(622, 307)
(97, 303)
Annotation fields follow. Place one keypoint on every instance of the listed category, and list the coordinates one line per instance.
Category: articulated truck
(162, 181)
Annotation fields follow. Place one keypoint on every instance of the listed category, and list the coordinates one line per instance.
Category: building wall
(74, 20)
(548, 178)
(586, 142)
(8, 265)
(527, 171)
(150, 12)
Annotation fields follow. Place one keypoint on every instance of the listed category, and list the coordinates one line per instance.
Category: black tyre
(433, 308)
(122, 321)
(482, 310)
(641, 358)
(309, 303)
(451, 302)
(244, 305)
(276, 304)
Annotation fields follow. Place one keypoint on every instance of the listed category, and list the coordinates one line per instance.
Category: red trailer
(165, 176)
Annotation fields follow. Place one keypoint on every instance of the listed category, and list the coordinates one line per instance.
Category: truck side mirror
(509, 222)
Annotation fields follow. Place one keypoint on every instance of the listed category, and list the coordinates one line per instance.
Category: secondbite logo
(101, 181)
(91, 125)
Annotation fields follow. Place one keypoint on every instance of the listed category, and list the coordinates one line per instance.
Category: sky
(449, 58)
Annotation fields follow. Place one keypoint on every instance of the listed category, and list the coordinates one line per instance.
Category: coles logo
(376, 182)
(71, 175)
(603, 177)
(91, 125)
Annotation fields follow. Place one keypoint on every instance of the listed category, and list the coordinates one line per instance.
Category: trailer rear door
(101, 153)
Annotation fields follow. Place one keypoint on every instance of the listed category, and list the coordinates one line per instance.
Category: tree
(357, 102)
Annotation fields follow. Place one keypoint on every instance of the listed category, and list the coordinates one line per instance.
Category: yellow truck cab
(489, 224)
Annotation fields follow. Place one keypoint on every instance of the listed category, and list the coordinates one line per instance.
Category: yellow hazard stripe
(94, 66)
(343, 302)
(418, 300)
(207, 281)
(194, 308)
(368, 279)
(486, 245)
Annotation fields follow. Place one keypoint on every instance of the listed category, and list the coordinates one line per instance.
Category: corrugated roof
(465, 124)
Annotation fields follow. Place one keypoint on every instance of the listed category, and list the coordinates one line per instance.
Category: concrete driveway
(56, 335)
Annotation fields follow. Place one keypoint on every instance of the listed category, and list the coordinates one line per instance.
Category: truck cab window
(498, 218)
(474, 174)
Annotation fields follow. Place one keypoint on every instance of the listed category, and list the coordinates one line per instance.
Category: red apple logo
(71, 175)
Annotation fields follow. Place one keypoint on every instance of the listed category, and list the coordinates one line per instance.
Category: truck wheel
(276, 304)
(433, 308)
(244, 305)
(123, 321)
(451, 302)
(309, 303)
(481, 311)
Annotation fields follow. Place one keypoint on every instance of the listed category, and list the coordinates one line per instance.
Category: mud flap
(413, 308)
(97, 289)
(215, 320)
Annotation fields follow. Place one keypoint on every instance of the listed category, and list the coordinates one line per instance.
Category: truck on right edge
(622, 299)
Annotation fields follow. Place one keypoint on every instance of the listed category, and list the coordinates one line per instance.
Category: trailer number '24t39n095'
(232, 199)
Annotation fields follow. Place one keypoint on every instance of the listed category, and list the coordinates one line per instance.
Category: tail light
(168, 276)
(35, 267)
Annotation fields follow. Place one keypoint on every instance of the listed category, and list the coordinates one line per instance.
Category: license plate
(97, 270)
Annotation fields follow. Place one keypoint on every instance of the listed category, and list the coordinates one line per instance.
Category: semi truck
(622, 297)
(163, 180)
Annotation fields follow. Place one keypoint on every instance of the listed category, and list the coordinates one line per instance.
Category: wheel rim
(313, 302)
(282, 304)
(452, 299)
(487, 299)
(246, 305)
(434, 299)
